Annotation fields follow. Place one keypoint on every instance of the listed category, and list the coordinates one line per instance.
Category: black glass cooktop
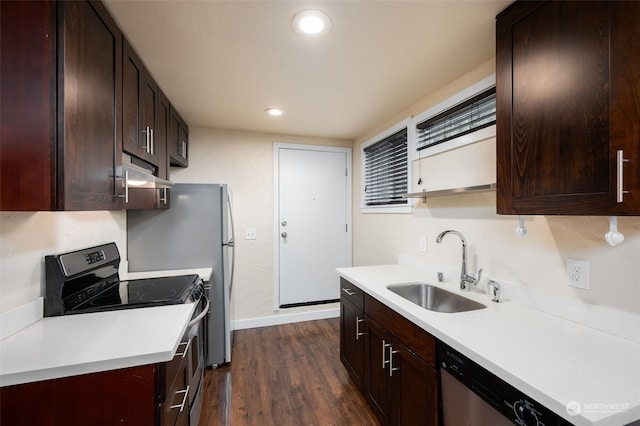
(117, 294)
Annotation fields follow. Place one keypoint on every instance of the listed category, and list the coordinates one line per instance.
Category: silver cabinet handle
(164, 196)
(391, 367)
(147, 145)
(186, 349)
(385, 361)
(126, 186)
(620, 160)
(153, 142)
(284, 235)
(348, 291)
(184, 149)
(185, 396)
(358, 332)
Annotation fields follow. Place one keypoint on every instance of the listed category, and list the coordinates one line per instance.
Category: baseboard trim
(285, 319)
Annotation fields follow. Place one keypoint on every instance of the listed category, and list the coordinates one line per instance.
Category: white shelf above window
(452, 191)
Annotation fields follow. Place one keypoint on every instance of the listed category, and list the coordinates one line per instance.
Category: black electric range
(87, 280)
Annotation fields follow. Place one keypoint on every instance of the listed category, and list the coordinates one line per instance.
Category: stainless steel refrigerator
(195, 232)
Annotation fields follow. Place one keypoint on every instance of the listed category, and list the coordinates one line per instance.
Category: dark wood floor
(284, 375)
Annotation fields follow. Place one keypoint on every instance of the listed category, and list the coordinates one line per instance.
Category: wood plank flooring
(284, 375)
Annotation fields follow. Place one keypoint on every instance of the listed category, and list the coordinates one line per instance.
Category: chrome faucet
(466, 281)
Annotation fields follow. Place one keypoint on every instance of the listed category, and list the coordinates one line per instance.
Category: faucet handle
(496, 291)
(479, 276)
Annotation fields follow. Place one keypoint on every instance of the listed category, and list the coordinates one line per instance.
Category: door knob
(284, 235)
(284, 223)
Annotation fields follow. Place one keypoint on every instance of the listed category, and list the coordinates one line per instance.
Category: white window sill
(387, 209)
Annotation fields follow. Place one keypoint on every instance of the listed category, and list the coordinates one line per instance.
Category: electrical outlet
(250, 234)
(423, 244)
(578, 273)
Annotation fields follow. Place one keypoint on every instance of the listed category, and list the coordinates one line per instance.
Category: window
(385, 171)
(474, 114)
(467, 117)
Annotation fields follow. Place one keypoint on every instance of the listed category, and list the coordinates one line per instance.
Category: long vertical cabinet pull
(391, 367)
(126, 186)
(385, 361)
(153, 143)
(620, 170)
(358, 332)
(147, 145)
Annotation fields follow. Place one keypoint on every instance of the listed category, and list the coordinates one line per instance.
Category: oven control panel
(83, 260)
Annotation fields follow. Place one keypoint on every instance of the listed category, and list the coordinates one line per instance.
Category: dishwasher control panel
(504, 398)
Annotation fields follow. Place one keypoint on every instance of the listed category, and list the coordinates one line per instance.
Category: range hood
(138, 174)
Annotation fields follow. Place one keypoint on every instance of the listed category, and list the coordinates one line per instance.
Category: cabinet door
(352, 339)
(161, 135)
(377, 385)
(416, 387)
(89, 96)
(150, 101)
(27, 87)
(126, 396)
(553, 146)
(178, 142)
(140, 108)
(625, 107)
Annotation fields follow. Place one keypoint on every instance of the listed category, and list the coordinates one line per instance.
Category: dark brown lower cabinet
(152, 394)
(352, 336)
(399, 378)
(126, 396)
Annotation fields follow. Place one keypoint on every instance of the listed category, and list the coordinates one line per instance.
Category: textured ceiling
(222, 63)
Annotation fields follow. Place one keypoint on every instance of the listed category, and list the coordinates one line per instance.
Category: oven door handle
(202, 314)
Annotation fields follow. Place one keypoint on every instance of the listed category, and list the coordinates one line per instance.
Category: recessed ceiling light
(311, 23)
(274, 111)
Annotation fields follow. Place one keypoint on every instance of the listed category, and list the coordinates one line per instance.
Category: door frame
(277, 146)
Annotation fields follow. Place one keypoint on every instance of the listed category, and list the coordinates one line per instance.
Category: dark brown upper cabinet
(61, 143)
(155, 198)
(140, 97)
(178, 142)
(568, 115)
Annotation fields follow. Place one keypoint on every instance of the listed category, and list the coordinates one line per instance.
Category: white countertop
(70, 345)
(553, 360)
(55, 347)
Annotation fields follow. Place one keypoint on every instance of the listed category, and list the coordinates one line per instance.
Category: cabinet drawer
(351, 293)
(177, 404)
(173, 369)
(413, 337)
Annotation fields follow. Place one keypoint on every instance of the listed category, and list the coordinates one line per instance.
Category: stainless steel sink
(434, 298)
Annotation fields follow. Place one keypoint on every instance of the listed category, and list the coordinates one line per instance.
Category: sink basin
(434, 298)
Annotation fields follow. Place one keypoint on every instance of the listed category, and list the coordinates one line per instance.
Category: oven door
(196, 360)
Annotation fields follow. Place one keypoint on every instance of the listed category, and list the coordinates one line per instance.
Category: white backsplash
(26, 237)
(613, 321)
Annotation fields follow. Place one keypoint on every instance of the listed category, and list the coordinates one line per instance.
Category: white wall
(536, 261)
(25, 238)
(244, 160)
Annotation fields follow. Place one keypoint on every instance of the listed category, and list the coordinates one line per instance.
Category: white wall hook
(613, 237)
(521, 230)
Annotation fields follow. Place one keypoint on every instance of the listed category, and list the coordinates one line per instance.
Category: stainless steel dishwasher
(472, 396)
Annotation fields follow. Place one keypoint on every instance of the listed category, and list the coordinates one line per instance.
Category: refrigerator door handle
(231, 243)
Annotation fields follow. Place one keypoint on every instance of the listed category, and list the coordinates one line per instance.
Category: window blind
(385, 171)
(474, 114)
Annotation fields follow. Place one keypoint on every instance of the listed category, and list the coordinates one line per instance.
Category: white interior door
(313, 222)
